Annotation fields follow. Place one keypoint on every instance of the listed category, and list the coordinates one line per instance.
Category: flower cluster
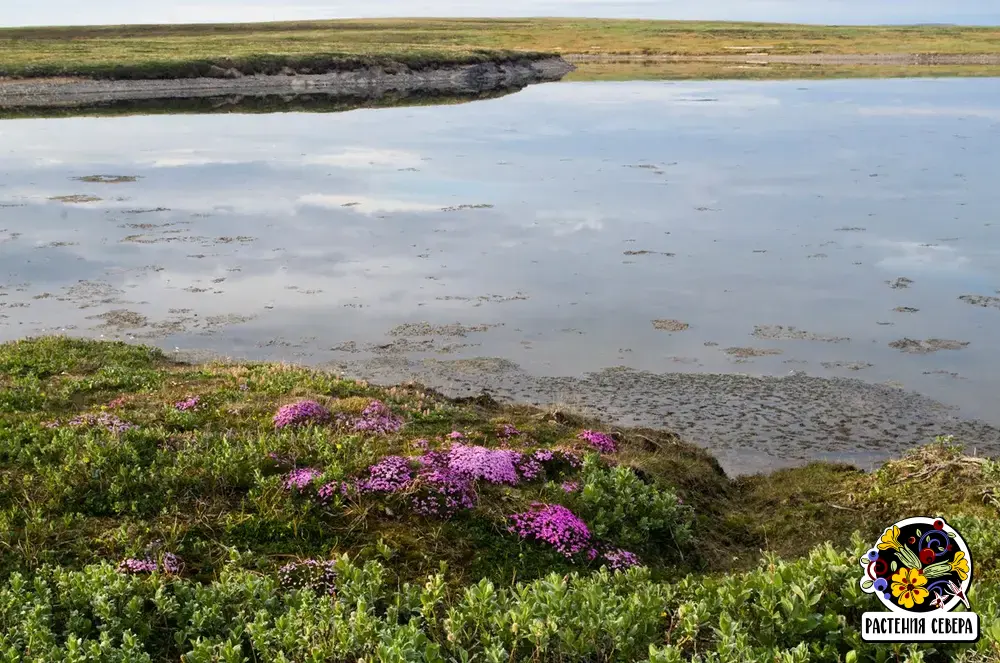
(619, 559)
(570, 486)
(376, 418)
(187, 404)
(300, 414)
(441, 493)
(553, 524)
(301, 477)
(507, 431)
(105, 420)
(529, 467)
(319, 576)
(118, 402)
(389, 475)
(600, 441)
(492, 465)
(132, 565)
(172, 564)
(328, 490)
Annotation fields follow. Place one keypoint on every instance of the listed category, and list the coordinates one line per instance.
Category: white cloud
(568, 222)
(366, 205)
(915, 255)
(363, 157)
(937, 111)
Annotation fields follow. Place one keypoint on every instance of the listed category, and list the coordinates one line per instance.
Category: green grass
(186, 50)
(77, 499)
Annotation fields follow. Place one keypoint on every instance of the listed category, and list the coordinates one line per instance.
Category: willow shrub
(806, 610)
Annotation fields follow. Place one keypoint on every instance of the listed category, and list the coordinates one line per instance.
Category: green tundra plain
(175, 51)
(152, 510)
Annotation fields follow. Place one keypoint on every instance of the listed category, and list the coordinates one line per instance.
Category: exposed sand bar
(457, 79)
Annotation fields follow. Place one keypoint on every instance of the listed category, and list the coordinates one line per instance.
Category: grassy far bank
(678, 71)
(151, 511)
(184, 50)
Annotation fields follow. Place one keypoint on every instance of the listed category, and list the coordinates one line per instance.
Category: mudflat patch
(849, 365)
(644, 252)
(914, 346)
(901, 282)
(986, 301)
(670, 325)
(427, 329)
(905, 309)
(781, 332)
(107, 179)
(121, 319)
(75, 198)
(747, 353)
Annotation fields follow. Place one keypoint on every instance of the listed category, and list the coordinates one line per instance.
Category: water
(312, 237)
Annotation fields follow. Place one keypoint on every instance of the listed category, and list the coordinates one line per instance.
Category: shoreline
(764, 57)
(362, 82)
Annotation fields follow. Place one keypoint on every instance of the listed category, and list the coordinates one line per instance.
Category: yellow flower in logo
(890, 539)
(961, 565)
(908, 587)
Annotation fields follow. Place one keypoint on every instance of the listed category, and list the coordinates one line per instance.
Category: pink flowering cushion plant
(497, 466)
(600, 441)
(376, 418)
(300, 414)
(301, 477)
(553, 524)
(391, 474)
(442, 493)
(187, 404)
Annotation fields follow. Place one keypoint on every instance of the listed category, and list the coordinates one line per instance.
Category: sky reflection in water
(330, 228)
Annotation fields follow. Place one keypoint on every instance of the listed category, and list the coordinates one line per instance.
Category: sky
(74, 12)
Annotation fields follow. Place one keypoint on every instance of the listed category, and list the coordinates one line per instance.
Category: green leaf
(894, 565)
(867, 584)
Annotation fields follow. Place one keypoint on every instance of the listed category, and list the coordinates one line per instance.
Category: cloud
(363, 157)
(366, 205)
(937, 111)
(568, 222)
(917, 256)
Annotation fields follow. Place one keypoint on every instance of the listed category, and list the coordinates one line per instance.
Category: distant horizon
(54, 13)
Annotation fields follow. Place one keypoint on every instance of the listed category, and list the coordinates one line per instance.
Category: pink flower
(600, 441)
(619, 559)
(491, 465)
(187, 404)
(376, 418)
(300, 414)
(301, 477)
(570, 486)
(389, 475)
(553, 524)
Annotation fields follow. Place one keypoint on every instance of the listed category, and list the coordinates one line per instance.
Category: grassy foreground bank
(162, 51)
(154, 511)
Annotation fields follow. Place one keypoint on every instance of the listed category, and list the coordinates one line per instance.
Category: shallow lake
(712, 227)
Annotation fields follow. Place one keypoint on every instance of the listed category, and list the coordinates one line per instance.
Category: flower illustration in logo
(908, 587)
(918, 565)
